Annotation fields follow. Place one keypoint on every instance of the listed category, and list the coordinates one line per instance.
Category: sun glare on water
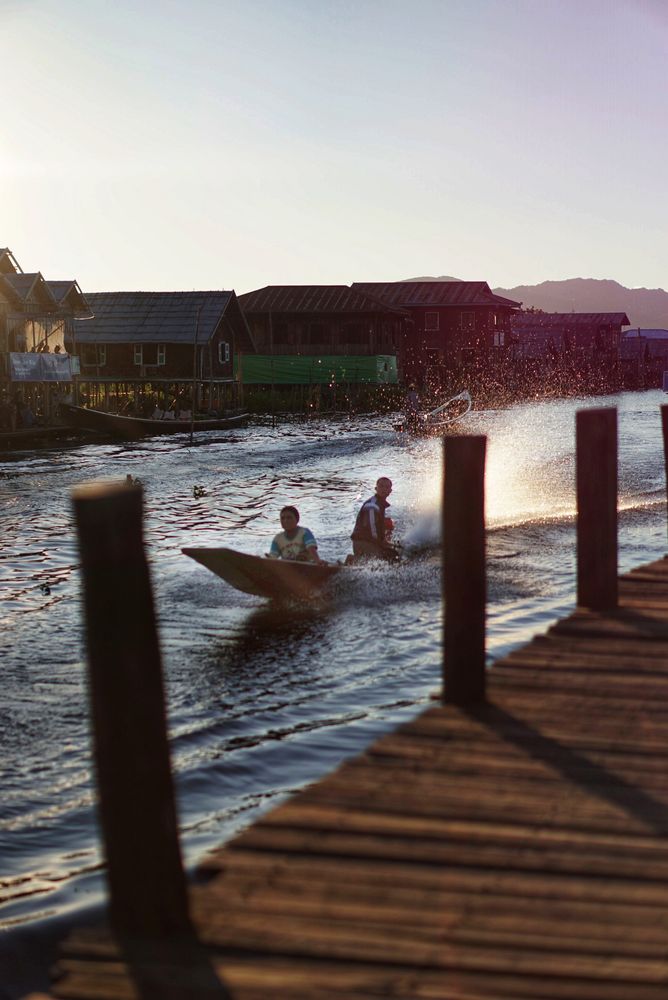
(529, 471)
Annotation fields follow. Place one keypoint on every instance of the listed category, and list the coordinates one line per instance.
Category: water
(265, 700)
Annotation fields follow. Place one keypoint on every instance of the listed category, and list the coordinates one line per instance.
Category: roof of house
(310, 299)
(8, 262)
(535, 320)
(160, 317)
(433, 293)
(9, 293)
(62, 290)
(646, 334)
(25, 285)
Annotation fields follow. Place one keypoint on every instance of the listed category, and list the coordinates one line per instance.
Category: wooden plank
(546, 887)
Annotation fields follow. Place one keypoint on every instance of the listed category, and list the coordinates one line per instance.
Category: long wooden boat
(275, 578)
(438, 420)
(35, 437)
(136, 427)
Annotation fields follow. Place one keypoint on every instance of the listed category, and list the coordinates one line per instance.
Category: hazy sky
(232, 144)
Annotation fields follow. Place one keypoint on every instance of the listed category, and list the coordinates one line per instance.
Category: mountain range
(645, 307)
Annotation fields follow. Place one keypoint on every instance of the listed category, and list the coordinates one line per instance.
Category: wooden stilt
(464, 570)
(596, 487)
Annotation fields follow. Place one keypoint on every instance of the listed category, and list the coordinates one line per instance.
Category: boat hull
(279, 579)
(130, 428)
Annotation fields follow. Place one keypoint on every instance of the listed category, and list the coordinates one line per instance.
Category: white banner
(25, 367)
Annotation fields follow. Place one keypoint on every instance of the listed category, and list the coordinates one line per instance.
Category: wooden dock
(514, 849)
(511, 845)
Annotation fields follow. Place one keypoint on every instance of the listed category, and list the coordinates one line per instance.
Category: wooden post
(194, 399)
(147, 887)
(664, 428)
(464, 589)
(596, 487)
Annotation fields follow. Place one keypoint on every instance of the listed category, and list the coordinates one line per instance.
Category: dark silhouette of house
(643, 357)
(322, 320)
(158, 337)
(452, 323)
(578, 336)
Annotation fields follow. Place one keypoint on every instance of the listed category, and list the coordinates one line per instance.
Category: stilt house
(36, 321)
(582, 337)
(310, 333)
(451, 323)
(168, 341)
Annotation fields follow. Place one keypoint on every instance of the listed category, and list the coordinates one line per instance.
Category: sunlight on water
(529, 470)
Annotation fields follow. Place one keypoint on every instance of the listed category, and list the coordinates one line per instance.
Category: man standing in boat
(412, 413)
(371, 535)
(294, 542)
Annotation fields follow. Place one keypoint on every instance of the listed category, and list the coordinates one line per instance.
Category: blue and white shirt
(283, 547)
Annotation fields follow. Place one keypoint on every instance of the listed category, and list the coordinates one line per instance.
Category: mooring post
(147, 888)
(596, 488)
(664, 428)
(464, 587)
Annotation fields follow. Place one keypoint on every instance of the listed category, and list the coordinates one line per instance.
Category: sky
(163, 145)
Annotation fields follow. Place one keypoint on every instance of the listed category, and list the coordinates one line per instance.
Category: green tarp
(299, 369)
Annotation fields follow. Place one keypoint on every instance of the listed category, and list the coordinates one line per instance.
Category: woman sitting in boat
(294, 542)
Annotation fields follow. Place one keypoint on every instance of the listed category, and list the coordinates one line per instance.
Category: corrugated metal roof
(161, 317)
(648, 334)
(433, 293)
(23, 285)
(8, 262)
(9, 292)
(61, 290)
(526, 321)
(310, 299)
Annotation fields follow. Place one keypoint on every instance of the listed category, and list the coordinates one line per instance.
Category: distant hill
(645, 307)
(442, 277)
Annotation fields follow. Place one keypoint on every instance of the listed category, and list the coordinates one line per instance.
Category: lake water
(262, 701)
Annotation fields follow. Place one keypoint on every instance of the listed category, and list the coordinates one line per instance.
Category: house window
(89, 354)
(149, 354)
(101, 354)
(467, 320)
(431, 321)
(223, 352)
(499, 339)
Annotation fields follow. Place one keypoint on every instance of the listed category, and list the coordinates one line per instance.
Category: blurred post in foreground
(147, 888)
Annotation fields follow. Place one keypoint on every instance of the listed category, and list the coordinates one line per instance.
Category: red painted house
(452, 323)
